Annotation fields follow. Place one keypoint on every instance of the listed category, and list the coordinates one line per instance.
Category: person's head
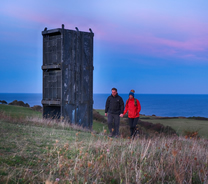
(114, 91)
(131, 94)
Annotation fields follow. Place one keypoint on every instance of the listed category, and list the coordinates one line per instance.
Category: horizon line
(122, 93)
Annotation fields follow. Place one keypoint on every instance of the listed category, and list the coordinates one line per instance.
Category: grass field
(38, 151)
(23, 112)
(180, 125)
(18, 112)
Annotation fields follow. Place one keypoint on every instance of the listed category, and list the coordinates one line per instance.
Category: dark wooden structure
(68, 75)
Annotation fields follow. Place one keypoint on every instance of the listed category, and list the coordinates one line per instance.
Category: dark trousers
(133, 123)
(116, 119)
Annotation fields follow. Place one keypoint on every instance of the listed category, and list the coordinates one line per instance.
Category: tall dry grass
(39, 121)
(107, 160)
(158, 160)
(100, 159)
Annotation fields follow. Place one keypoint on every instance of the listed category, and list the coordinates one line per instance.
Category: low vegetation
(33, 150)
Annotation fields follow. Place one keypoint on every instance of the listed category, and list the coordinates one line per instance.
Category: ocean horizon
(169, 105)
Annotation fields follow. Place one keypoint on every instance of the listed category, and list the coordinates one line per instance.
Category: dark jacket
(114, 105)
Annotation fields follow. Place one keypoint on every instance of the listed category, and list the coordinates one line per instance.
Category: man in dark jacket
(113, 109)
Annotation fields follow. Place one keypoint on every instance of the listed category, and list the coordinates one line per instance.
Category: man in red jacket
(133, 108)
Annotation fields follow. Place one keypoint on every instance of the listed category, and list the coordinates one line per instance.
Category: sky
(153, 47)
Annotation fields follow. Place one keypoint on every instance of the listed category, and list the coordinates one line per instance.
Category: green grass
(23, 143)
(180, 125)
(99, 127)
(23, 112)
(24, 146)
(101, 111)
(18, 112)
(32, 152)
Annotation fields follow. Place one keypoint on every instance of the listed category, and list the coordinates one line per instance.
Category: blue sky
(154, 47)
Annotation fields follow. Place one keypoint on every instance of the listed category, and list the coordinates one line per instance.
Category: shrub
(98, 117)
(19, 103)
(198, 118)
(37, 108)
(158, 127)
(3, 102)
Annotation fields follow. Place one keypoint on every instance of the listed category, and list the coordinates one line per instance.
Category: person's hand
(121, 115)
(106, 114)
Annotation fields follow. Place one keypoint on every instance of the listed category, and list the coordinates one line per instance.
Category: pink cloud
(53, 20)
(131, 33)
(189, 45)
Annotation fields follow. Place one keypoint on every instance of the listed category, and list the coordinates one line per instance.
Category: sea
(168, 105)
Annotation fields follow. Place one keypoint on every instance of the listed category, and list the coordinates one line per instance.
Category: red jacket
(133, 111)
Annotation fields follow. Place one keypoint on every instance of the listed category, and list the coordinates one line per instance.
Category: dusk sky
(153, 47)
